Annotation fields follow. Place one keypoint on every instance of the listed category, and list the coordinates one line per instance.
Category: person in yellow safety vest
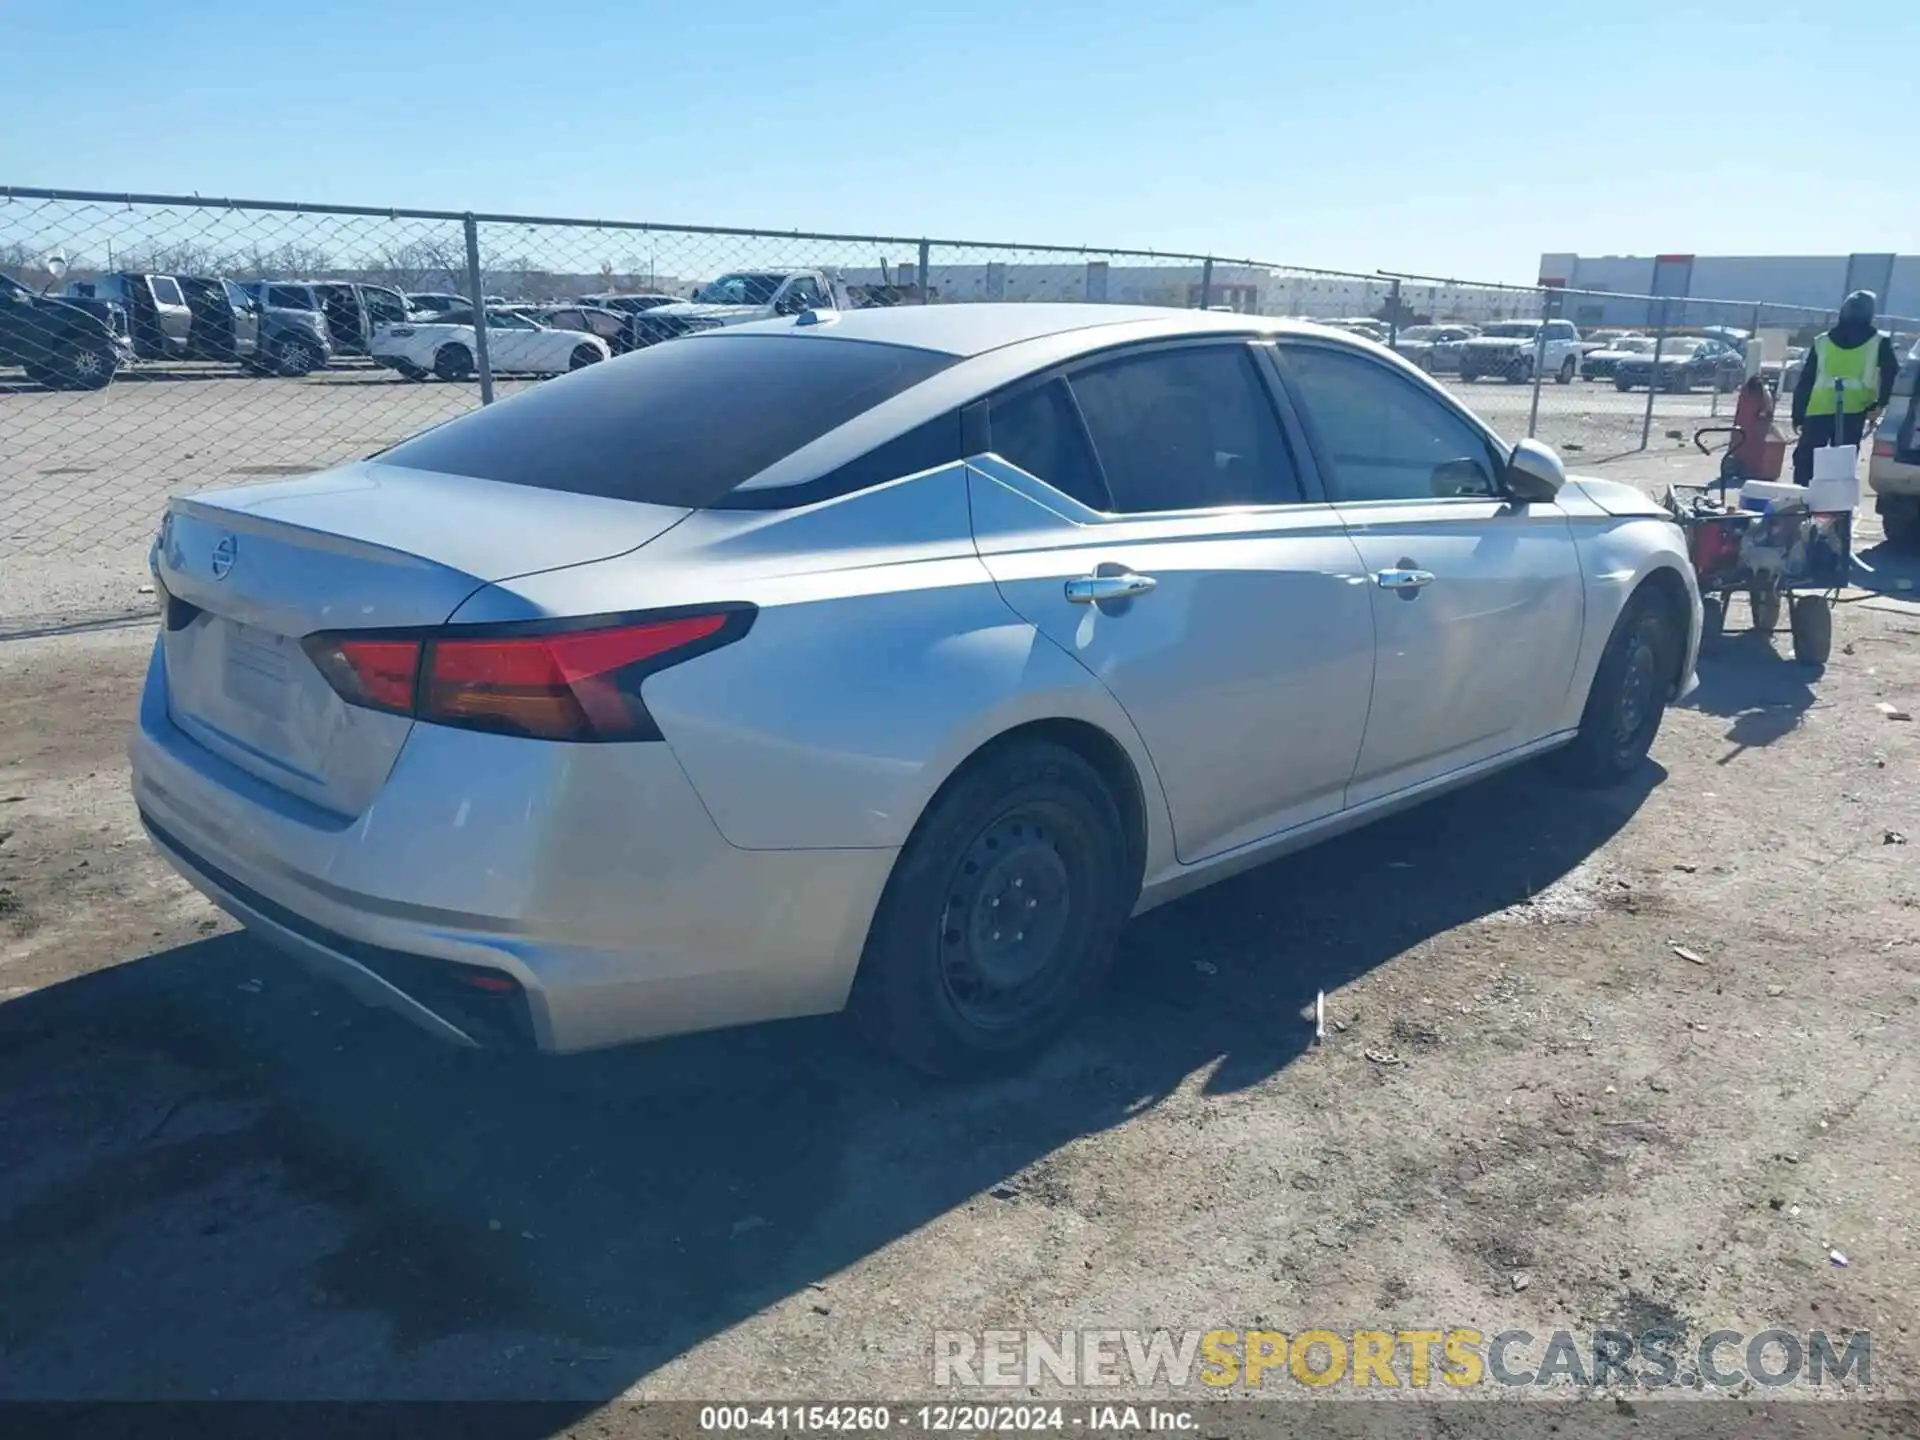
(1862, 360)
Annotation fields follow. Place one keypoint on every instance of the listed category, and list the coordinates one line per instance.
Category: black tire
(1029, 822)
(1628, 697)
(453, 362)
(1467, 377)
(1621, 385)
(1812, 619)
(79, 366)
(583, 356)
(407, 370)
(294, 358)
(1902, 527)
(1520, 372)
(1678, 385)
(1568, 367)
(1765, 605)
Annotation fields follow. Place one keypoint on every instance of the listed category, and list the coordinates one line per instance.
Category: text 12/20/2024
(961, 1419)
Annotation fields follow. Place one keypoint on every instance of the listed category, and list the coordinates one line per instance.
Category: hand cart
(1767, 543)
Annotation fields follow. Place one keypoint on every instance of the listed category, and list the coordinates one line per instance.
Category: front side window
(167, 290)
(1383, 437)
(1184, 429)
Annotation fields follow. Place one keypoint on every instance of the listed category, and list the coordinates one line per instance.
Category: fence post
(1653, 377)
(478, 293)
(1539, 360)
(1393, 316)
(926, 293)
(1206, 284)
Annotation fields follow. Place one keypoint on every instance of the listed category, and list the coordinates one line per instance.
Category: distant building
(1814, 281)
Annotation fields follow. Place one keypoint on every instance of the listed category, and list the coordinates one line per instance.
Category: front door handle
(1091, 589)
(1403, 580)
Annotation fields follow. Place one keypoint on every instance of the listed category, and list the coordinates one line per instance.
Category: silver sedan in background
(885, 660)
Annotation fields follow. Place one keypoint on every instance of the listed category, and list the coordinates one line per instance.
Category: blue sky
(1456, 136)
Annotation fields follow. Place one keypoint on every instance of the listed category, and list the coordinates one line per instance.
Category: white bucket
(1836, 478)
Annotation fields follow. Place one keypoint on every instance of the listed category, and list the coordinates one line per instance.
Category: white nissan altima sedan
(445, 345)
(885, 660)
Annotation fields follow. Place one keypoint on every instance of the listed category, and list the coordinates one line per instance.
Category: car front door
(246, 319)
(1146, 514)
(1478, 600)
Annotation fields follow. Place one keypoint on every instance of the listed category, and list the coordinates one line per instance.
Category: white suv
(1893, 471)
(1507, 348)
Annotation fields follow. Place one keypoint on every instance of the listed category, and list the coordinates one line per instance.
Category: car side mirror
(1535, 473)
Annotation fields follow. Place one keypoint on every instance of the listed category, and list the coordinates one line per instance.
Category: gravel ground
(1532, 1110)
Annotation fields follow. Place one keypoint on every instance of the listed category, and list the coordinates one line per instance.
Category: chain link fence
(151, 345)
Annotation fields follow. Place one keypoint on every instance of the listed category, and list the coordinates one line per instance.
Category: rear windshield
(681, 423)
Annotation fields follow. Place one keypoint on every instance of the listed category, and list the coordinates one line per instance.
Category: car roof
(969, 329)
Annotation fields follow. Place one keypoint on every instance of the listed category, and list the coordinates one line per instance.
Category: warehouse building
(1815, 281)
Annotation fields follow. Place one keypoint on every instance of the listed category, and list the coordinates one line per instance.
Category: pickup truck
(1508, 349)
(735, 299)
(62, 345)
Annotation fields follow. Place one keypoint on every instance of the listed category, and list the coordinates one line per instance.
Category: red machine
(1755, 450)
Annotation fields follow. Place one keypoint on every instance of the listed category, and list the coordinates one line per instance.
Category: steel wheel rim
(1004, 929)
(1636, 693)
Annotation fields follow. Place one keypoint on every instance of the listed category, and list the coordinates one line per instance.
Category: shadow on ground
(217, 1178)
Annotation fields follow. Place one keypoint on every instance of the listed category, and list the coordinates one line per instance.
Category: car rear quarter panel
(881, 658)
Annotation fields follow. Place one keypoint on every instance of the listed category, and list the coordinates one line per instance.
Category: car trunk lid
(247, 573)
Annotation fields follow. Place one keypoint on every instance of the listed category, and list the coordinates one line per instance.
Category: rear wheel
(296, 357)
(453, 362)
(1628, 697)
(1001, 914)
(1902, 527)
(1567, 368)
(1812, 620)
(583, 356)
(1622, 385)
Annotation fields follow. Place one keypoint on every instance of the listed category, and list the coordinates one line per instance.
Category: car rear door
(1147, 515)
(1478, 601)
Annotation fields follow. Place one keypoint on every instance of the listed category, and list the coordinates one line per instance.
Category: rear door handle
(1403, 579)
(1091, 589)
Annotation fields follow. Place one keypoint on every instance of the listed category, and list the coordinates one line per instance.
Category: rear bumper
(590, 875)
(1887, 476)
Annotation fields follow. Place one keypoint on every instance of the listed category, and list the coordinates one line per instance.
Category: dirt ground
(1532, 1111)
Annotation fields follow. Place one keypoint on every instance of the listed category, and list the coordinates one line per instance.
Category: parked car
(1683, 364)
(1893, 465)
(158, 316)
(1600, 364)
(1508, 349)
(1435, 348)
(60, 344)
(736, 299)
(877, 663)
(295, 338)
(433, 302)
(628, 304)
(226, 320)
(610, 325)
(446, 346)
(337, 306)
(1782, 375)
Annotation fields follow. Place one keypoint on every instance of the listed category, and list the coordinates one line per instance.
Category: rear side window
(289, 297)
(678, 424)
(1185, 429)
(1038, 431)
(1904, 382)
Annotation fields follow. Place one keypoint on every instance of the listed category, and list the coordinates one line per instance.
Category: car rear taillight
(1883, 448)
(569, 680)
